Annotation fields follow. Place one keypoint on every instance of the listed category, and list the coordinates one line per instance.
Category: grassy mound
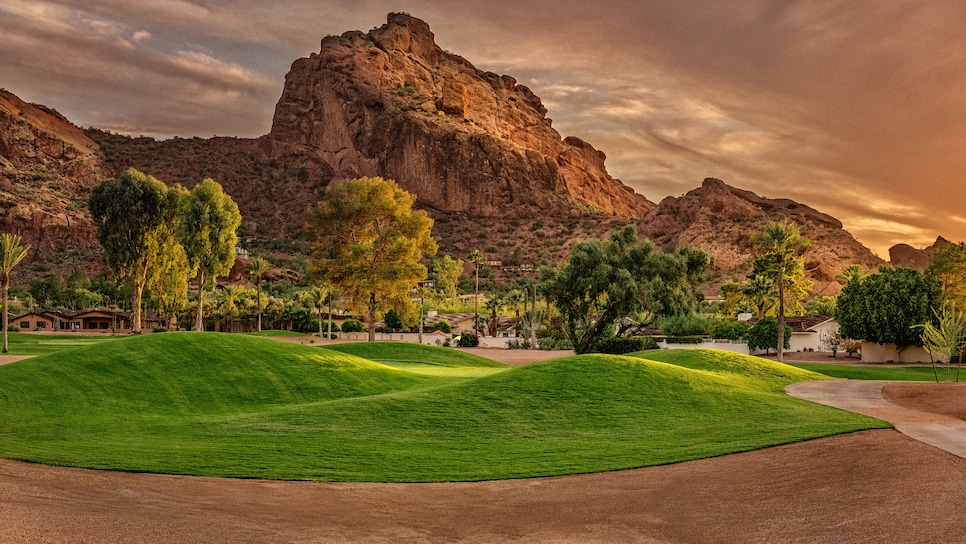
(231, 405)
(399, 352)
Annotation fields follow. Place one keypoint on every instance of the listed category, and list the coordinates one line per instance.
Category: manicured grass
(400, 352)
(276, 333)
(898, 374)
(20, 343)
(233, 405)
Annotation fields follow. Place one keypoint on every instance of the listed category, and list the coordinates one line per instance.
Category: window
(24, 324)
(41, 325)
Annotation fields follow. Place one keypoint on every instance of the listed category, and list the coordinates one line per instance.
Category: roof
(801, 323)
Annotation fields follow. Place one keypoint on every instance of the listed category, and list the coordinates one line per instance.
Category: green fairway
(423, 359)
(41, 344)
(236, 405)
(897, 374)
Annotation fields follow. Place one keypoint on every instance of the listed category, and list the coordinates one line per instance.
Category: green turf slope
(400, 352)
(231, 405)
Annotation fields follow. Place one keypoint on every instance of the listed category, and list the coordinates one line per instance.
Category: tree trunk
(199, 322)
(136, 314)
(258, 295)
(6, 318)
(372, 317)
(330, 316)
(781, 308)
(476, 303)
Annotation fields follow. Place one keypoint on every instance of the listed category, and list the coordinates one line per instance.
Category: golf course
(240, 406)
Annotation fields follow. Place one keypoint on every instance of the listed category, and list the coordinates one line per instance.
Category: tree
(392, 321)
(448, 271)
(168, 270)
(127, 213)
(885, 306)
(12, 251)
(208, 221)
(602, 282)
(477, 259)
(948, 266)
(369, 242)
(764, 335)
(780, 241)
(257, 268)
(944, 339)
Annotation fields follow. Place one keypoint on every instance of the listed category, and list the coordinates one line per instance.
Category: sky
(855, 108)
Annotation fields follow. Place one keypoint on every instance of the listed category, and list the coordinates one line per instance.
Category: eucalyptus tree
(12, 251)
(128, 212)
(207, 229)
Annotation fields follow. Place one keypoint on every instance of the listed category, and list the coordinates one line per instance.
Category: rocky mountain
(910, 257)
(476, 148)
(392, 103)
(47, 167)
(720, 219)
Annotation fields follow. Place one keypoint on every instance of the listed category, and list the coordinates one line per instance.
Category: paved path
(865, 397)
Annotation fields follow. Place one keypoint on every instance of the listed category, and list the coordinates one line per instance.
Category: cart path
(865, 397)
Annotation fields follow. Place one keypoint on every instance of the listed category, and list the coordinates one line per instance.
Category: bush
(353, 325)
(467, 341)
(335, 327)
(392, 321)
(441, 325)
(12, 328)
(159, 329)
(685, 339)
(685, 325)
(729, 330)
(552, 344)
(620, 345)
(764, 335)
(517, 344)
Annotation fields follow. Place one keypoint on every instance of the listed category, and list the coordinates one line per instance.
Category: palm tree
(760, 290)
(11, 253)
(257, 269)
(228, 304)
(781, 240)
(477, 259)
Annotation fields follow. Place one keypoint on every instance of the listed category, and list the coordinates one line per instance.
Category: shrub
(159, 329)
(730, 330)
(685, 325)
(441, 325)
(13, 328)
(685, 339)
(517, 344)
(621, 345)
(392, 321)
(552, 344)
(353, 325)
(468, 341)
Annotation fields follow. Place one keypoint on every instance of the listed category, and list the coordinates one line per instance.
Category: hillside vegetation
(239, 406)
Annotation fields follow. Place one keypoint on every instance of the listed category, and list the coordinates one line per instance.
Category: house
(35, 321)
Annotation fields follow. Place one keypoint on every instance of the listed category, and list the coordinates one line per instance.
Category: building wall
(888, 353)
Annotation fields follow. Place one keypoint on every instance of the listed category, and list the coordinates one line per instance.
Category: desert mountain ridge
(475, 147)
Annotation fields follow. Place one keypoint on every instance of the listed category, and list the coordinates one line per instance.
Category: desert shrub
(685, 325)
(621, 345)
(517, 344)
(468, 341)
(353, 325)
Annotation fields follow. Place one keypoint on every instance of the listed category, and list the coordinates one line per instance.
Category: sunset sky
(855, 108)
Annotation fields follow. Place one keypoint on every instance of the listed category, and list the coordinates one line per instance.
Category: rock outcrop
(46, 167)
(721, 219)
(910, 257)
(392, 103)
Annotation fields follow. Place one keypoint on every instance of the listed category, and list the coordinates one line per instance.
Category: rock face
(391, 103)
(47, 165)
(910, 257)
(721, 219)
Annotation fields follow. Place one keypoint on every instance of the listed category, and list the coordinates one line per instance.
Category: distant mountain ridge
(475, 147)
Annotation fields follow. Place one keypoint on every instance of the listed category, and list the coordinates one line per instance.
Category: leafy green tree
(886, 306)
(127, 213)
(764, 335)
(12, 251)
(208, 221)
(603, 282)
(257, 268)
(780, 242)
(369, 242)
(168, 270)
(447, 271)
(948, 266)
(392, 321)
